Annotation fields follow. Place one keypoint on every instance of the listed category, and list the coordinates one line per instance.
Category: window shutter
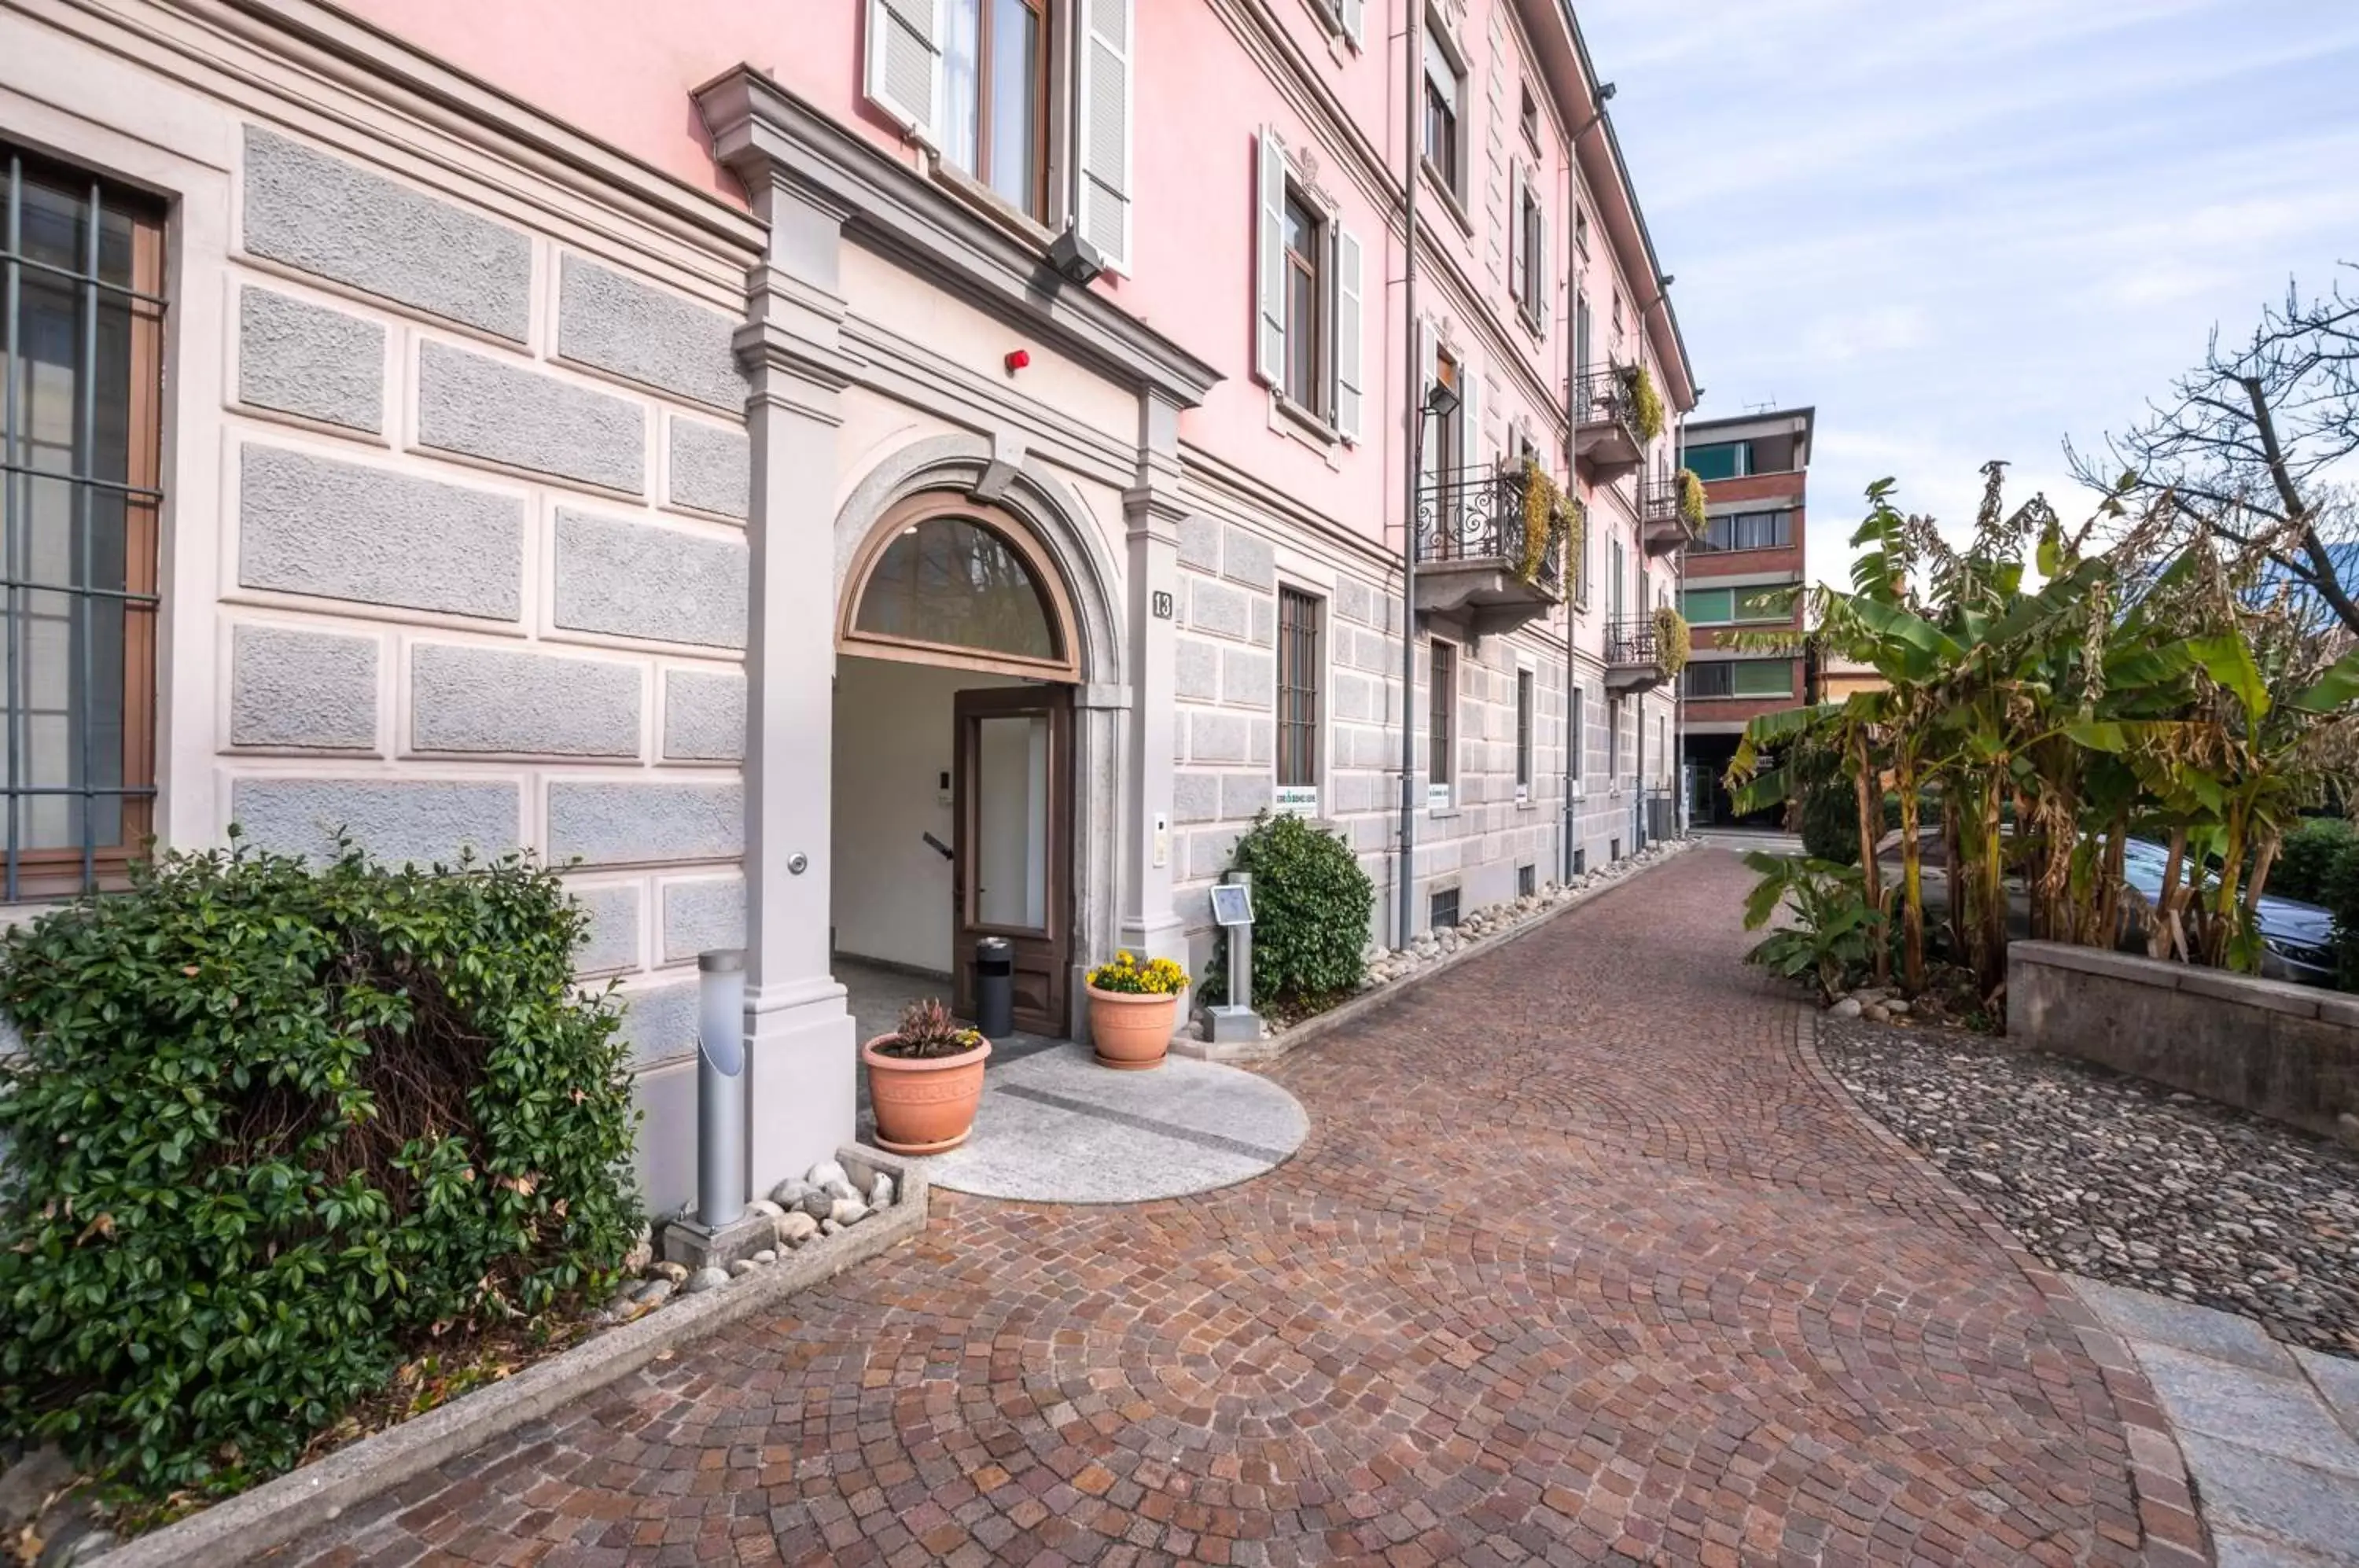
(1428, 360)
(1546, 289)
(1269, 258)
(1104, 131)
(1472, 412)
(905, 60)
(1515, 229)
(1351, 14)
(1348, 374)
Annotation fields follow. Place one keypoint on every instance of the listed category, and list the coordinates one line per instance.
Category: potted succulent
(1133, 1009)
(925, 1079)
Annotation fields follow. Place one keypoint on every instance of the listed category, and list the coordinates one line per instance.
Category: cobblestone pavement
(1585, 1259)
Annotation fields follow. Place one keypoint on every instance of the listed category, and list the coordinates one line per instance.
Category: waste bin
(995, 988)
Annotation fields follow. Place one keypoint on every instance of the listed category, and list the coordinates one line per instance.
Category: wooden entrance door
(1012, 816)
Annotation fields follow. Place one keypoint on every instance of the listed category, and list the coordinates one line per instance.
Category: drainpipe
(1679, 688)
(1413, 410)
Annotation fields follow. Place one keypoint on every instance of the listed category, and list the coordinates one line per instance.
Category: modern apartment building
(849, 477)
(1745, 574)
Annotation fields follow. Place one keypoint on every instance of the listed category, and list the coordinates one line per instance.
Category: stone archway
(1052, 527)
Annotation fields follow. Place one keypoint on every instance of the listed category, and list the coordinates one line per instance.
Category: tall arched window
(944, 584)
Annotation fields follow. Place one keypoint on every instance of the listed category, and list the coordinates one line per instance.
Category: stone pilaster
(1152, 511)
(800, 1047)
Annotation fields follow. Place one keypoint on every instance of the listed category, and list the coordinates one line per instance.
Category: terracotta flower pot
(924, 1105)
(1131, 1031)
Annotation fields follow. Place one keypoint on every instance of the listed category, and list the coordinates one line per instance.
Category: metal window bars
(62, 304)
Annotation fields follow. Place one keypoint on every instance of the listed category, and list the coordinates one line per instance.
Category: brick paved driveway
(1583, 1262)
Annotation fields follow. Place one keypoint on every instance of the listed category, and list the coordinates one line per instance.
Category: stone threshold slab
(239, 1530)
(1056, 1127)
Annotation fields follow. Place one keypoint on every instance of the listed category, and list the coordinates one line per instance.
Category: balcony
(1478, 558)
(1607, 435)
(1670, 511)
(1637, 657)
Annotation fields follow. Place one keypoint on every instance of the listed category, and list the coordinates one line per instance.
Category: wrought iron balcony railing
(1633, 641)
(1479, 514)
(1603, 393)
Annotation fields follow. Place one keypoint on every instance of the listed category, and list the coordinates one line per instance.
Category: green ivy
(1311, 906)
(276, 1129)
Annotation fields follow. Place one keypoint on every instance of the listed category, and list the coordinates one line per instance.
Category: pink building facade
(852, 476)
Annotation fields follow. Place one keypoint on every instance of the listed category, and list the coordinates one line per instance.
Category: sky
(1966, 229)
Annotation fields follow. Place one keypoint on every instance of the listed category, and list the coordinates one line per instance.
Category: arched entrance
(957, 660)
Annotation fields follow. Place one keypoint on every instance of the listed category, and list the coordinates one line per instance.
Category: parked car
(2296, 939)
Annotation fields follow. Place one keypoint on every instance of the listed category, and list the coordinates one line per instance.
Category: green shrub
(1311, 904)
(275, 1129)
(1832, 940)
(2307, 861)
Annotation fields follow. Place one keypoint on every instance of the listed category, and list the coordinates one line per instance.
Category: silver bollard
(719, 1087)
(1235, 1022)
(1241, 952)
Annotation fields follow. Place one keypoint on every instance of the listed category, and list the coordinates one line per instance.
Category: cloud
(1969, 230)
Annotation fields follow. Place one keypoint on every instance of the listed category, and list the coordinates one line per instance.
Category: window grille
(1297, 690)
(81, 314)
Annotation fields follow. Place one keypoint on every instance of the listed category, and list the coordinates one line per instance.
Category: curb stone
(238, 1529)
(2167, 1515)
(1249, 1053)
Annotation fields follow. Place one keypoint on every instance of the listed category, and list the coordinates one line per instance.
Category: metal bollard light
(719, 1087)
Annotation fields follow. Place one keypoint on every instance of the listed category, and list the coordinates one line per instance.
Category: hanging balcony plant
(1670, 641)
(1645, 403)
(1690, 500)
(1551, 518)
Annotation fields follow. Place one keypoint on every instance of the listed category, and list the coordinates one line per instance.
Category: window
(1523, 734)
(1714, 680)
(994, 120)
(1581, 230)
(1528, 881)
(1721, 460)
(1614, 742)
(1748, 530)
(1724, 607)
(972, 79)
(1764, 678)
(1298, 700)
(80, 434)
(1443, 908)
(1577, 736)
(1305, 290)
(1441, 699)
(948, 581)
(1307, 282)
(1445, 85)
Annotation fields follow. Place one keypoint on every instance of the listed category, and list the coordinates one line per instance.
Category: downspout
(1413, 411)
(1680, 686)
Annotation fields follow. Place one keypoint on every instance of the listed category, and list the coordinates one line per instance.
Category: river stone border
(238, 1529)
(1282, 1040)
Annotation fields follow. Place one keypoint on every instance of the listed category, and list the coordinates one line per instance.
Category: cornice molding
(767, 135)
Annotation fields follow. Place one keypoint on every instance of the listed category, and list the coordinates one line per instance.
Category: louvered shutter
(1104, 131)
(1428, 360)
(905, 60)
(1348, 374)
(1515, 229)
(1547, 289)
(1269, 259)
(1472, 412)
(1351, 14)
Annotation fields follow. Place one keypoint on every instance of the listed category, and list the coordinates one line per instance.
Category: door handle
(945, 851)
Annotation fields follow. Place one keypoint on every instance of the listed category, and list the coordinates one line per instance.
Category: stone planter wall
(2290, 1053)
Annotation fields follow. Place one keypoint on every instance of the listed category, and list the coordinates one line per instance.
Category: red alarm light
(1018, 358)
